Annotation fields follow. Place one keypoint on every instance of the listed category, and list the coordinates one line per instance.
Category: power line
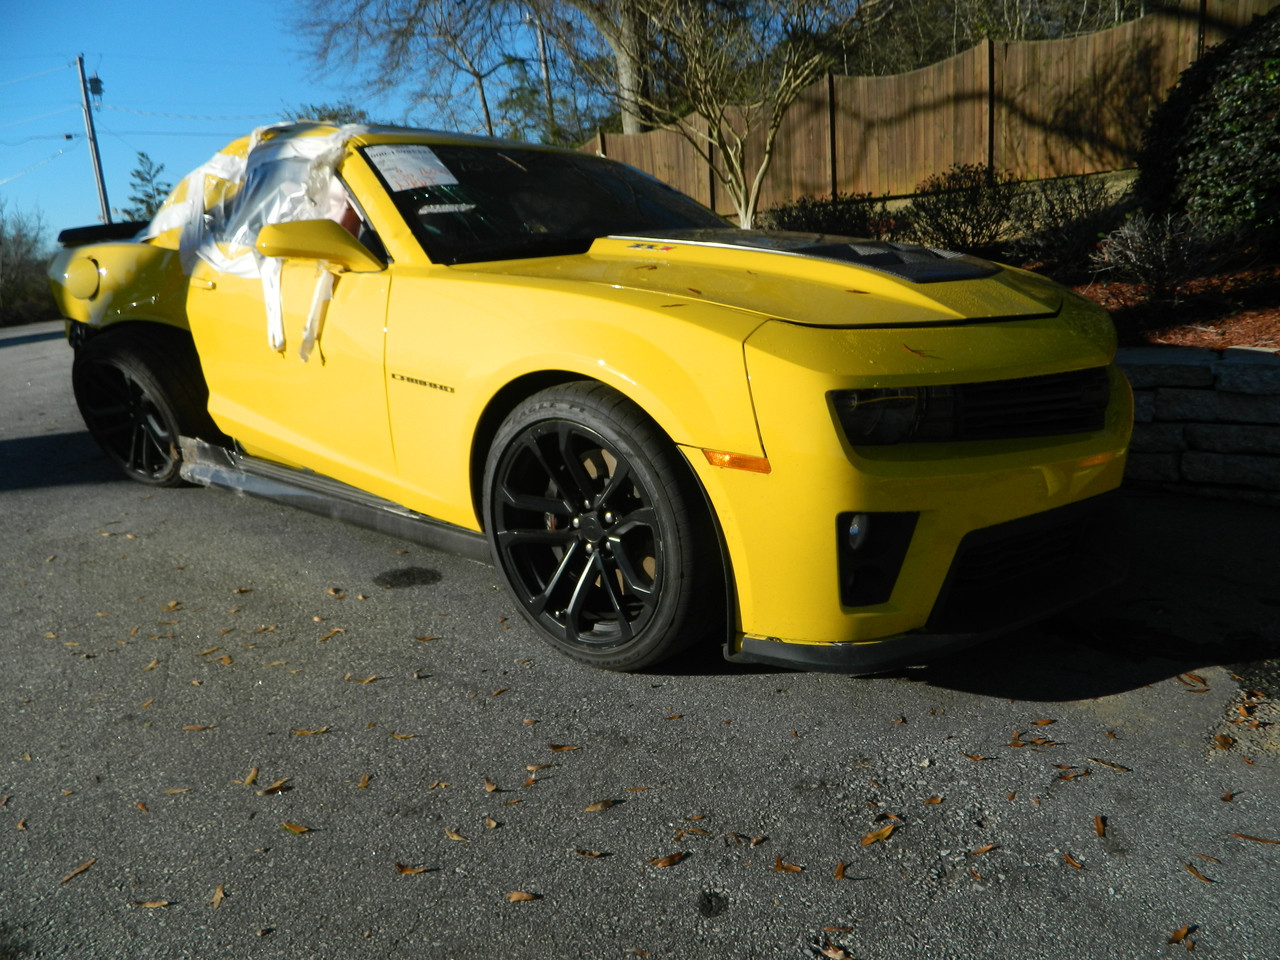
(185, 116)
(54, 113)
(37, 166)
(32, 76)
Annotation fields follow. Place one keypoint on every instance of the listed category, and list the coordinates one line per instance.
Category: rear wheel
(138, 392)
(597, 528)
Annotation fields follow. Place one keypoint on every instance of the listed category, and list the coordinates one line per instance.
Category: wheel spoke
(621, 474)
(591, 574)
(576, 474)
(641, 517)
(533, 502)
(529, 444)
(632, 577)
(537, 604)
(510, 540)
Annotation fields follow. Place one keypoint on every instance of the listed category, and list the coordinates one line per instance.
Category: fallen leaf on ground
(218, 896)
(364, 781)
(589, 853)
(668, 861)
(521, 896)
(312, 733)
(781, 867)
(193, 727)
(80, 869)
(1181, 933)
(403, 736)
(877, 835)
(275, 788)
(1245, 836)
(454, 835)
(975, 756)
(151, 904)
(489, 786)
(981, 850)
(295, 827)
(1228, 797)
(177, 790)
(1224, 742)
(1197, 874)
(598, 806)
(1104, 763)
(1100, 825)
(141, 806)
(152, 665)
(491, 824)
(834, 952)
(561, 747)
(1072, 861)
(839, 874)
(1042, 723)
(933, 800)
(250, 778)
(408, 871)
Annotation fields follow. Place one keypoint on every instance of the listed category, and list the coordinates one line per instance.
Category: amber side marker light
(737, 461)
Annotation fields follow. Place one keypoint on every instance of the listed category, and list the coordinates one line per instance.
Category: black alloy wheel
(594, 524)
(137, 395)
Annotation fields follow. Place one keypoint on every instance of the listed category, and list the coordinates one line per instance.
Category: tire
(596, 526)
(138, 392)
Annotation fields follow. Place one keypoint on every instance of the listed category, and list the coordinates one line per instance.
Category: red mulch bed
(1235, 309)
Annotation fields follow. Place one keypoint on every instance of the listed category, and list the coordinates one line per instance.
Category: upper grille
(1059, 403)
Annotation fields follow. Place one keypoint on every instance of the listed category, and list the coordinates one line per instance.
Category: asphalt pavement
(231, 729)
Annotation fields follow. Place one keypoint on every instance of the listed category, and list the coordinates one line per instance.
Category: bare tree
(727, 71)
(446, 52)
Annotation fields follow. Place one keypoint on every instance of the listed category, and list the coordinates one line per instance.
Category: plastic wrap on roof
(279, 174)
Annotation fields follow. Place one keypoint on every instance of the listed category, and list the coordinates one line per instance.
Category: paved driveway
(228, 729)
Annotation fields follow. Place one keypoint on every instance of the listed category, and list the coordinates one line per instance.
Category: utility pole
(93, 136)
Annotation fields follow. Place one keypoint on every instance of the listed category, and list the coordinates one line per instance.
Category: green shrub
(845, 214)
(1212, 150)
(971, 207)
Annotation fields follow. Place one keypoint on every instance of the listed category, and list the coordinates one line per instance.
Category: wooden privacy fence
(1039, 109)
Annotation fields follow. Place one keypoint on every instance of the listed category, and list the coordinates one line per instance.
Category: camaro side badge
(423, 383)
(649, 246)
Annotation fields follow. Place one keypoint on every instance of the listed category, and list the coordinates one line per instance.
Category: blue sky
(180, 80)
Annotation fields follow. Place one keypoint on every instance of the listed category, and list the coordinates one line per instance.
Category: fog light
(857, 533)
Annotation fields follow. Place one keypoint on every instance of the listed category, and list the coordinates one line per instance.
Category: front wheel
(598, 530)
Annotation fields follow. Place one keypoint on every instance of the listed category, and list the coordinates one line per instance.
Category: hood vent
(903, 260)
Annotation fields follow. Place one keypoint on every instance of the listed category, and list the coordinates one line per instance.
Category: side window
(343, 209)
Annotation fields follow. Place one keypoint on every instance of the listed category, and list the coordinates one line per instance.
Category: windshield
(471, 203)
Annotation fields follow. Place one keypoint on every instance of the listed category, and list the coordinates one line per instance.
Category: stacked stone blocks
(1206, 421)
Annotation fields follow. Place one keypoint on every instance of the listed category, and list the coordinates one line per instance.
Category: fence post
(831, 135)
(991, 104)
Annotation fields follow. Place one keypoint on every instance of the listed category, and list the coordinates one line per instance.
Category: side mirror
(316, 240)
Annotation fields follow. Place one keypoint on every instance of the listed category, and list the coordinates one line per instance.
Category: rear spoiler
(100, 233)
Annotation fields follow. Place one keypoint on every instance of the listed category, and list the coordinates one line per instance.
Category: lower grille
(1022, 570)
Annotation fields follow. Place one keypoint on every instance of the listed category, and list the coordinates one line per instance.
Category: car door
(328, 412)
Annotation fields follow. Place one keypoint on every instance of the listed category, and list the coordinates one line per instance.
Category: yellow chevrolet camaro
(821, 452)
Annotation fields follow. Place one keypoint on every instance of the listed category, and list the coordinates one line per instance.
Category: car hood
(809, 279)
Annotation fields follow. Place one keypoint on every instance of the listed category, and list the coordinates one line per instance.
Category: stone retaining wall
(1206, 421)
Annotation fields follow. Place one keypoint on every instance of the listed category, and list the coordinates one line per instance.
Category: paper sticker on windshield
(409, 166)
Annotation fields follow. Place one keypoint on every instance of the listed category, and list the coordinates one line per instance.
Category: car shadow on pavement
(54, 459)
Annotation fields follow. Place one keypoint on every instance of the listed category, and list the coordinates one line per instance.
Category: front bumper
(1003, 578)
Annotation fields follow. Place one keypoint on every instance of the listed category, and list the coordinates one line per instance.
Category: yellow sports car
(822, 452)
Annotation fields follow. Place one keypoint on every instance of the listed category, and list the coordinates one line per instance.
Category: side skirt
(213, 466)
